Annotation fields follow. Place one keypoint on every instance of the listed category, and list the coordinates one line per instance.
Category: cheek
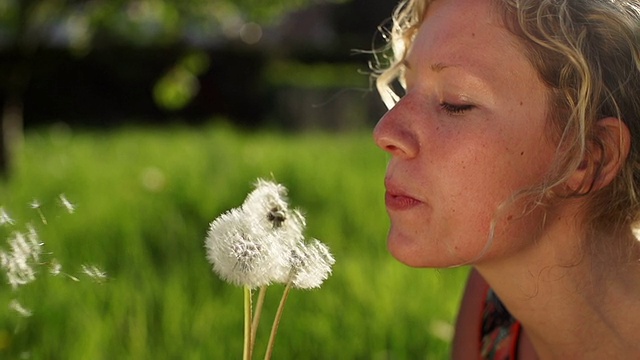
(496, 183)
(484, 175)
(515, 161)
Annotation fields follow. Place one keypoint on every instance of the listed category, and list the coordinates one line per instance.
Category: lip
(397, 199)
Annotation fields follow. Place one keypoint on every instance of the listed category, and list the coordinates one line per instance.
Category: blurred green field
(144, 198)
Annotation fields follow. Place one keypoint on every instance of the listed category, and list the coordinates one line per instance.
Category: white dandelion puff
(21, 310)
(310, 264)
(267, 212)
(94, 272)
(5, 219)
(262, 242)
(267, 205)
(250, 245)
(257, 243)
(246, 253)
(68, 205)
(266, 194)
(239, 256)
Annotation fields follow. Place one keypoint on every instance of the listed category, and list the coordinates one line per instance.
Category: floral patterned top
(500, 331)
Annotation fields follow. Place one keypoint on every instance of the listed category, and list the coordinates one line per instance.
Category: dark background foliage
(293, 65)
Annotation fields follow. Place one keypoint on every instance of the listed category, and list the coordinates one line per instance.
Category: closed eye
(453, 109)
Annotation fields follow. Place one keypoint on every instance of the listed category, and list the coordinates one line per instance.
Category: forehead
(469, 34)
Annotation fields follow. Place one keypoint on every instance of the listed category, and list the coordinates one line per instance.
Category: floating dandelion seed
(5, 219)
(55, 267)
(94, 272)
(25, 251)
(17, 307)
(34, 243)
(70, 207)
(23, 254)
(36, 205)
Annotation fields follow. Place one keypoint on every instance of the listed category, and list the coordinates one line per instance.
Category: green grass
(144, 198)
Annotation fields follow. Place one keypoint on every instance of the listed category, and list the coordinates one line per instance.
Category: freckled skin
(462, 165)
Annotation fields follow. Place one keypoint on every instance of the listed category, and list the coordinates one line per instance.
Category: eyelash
(452, 109)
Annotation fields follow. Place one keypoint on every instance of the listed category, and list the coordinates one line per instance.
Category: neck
(566, 293)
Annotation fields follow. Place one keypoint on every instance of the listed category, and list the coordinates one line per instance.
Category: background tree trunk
(11, 133)
(15, 85)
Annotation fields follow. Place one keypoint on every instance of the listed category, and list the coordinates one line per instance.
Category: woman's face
(469, 133)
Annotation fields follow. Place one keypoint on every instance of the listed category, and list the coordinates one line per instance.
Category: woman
(515, 148)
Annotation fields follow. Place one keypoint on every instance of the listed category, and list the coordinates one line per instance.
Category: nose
(394, 135)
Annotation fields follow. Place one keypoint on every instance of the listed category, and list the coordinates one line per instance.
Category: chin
(413, 253)
(409, 254)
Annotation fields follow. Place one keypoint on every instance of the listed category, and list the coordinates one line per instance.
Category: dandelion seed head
(311, 264)
(262, 242)
(294, 227)
(5, 219)
(270, 191)
(276, 216)
(246, 254)
(268, 204)
(261, 224)
(229, 250)
(267, 211)
(298, 257)
(239, 255)
(17, 307)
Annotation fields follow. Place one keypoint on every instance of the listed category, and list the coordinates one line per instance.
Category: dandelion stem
(276, 321)
(246, 354)
(256, 316)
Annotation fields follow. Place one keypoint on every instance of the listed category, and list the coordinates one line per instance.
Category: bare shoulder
(466, 342)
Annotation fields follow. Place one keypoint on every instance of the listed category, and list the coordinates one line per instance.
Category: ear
(605, 157)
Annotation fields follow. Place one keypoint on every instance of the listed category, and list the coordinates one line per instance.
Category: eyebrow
(437, 67)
